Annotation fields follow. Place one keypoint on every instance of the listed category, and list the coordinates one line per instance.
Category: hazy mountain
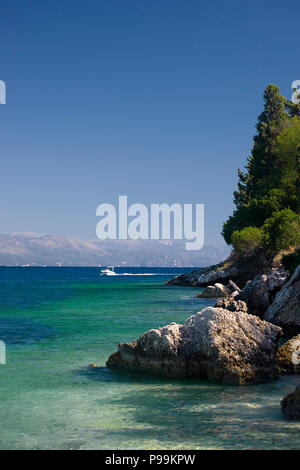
(40, 249)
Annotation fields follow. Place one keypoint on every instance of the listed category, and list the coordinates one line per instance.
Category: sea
(55, 321)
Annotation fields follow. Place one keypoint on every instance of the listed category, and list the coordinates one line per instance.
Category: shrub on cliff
(279, 232)
(282, 231)
(247, 241)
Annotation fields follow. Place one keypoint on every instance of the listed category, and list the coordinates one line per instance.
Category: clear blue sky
(155, 99)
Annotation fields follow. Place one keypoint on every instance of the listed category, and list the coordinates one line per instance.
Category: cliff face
(285, 310)
(260, 292)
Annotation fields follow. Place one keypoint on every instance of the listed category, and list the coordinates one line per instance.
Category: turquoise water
(55, 321)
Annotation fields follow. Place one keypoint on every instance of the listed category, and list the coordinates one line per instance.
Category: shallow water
(55, 321)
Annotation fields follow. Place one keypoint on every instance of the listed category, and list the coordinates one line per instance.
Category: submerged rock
(290, 405)
(227, 347)
(285, 310)
(216, 291)
(260, 292)
(94, 366)
(288, 356)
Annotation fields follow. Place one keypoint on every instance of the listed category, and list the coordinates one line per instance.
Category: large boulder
(285, 310)
(227, 347)
(290, 405)
(288, 356)
(260, 292)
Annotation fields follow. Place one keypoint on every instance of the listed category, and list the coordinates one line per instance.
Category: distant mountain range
(35, 249)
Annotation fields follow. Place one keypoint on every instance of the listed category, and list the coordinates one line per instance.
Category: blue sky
(156, 100)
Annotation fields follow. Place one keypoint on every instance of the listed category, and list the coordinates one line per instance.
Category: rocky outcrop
(290, 405)
(186, 279)
(285, 310)
(260, 292)
(238, 270)
(216, 291)
(288, 356)
(205, 277)
(232, 305)
(227, 347)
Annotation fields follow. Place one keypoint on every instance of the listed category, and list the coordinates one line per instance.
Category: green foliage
(234, 223)
(282, 231)
(291, 261)
(255, 214)
(268, 193)
(287, 172)
(247, 241)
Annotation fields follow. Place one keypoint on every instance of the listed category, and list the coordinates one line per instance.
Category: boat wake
(145, 274)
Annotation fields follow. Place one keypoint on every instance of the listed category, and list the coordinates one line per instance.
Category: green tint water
(57, 321)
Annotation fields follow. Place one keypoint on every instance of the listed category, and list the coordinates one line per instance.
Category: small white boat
(108, 271)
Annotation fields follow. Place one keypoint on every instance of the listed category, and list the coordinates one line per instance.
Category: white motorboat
(108, 271)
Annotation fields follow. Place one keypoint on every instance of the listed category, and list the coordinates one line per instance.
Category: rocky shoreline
(206, 276)
(236, 342)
